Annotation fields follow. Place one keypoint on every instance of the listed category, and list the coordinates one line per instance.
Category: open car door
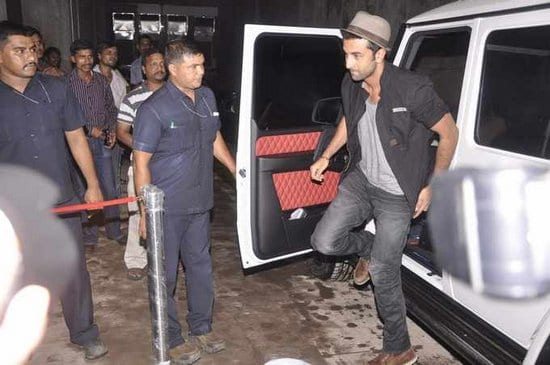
(290, 83)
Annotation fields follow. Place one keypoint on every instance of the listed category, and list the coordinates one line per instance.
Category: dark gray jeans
(339, 233)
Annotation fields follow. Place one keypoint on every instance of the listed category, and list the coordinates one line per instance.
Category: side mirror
(327, 111)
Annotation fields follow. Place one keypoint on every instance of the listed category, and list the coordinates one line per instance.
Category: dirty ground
(281, 312)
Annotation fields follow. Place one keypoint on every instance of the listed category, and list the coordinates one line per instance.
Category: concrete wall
(92, 20)
(337, 13)
(53, 18)
(3, 10)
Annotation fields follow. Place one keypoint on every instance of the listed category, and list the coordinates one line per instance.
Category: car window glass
(291, 73)
(514, 107)
(442, 57)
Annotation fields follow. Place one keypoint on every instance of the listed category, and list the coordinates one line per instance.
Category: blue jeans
(188, 237)
(116, 154)
(104, 168)
(339, 233)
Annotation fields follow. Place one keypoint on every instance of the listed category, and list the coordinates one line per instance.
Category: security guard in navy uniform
(176, 136)
(37, 115)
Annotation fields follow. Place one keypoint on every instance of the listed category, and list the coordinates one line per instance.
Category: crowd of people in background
(100, 89)
(75, 126)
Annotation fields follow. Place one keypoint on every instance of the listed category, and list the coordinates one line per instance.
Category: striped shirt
(131, 102)
(95, 99)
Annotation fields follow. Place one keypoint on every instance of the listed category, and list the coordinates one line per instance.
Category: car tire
(332, 268)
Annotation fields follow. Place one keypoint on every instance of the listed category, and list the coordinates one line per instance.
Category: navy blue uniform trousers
(76, 300)
(187, 236)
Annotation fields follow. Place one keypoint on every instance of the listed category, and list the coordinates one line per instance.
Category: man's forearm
(142, 177)
(222, 153)
(444, 155)
(338, 140)
(78, 144)
(123, 134)
(448, 139)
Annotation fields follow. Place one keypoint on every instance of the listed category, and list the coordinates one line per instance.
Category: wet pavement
(281, 312)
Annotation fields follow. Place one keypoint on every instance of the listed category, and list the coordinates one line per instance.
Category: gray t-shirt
(373, 161)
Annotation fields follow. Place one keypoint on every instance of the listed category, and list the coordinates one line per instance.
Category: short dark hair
(371, 45)
(144, 36)
(177, 49)
(148, 53)
(8, 29)
(51, 50)
(79, 45)
(32, 31)
(104, 45)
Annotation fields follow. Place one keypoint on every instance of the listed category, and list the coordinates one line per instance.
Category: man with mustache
(39, 118)
(135, 255)
(176, 138)
(94, 95)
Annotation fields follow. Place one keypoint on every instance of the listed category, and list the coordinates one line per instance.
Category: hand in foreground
(25, 317)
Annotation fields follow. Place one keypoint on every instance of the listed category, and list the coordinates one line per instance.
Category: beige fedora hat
(372, 27)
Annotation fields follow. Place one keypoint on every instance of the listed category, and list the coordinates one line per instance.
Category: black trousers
(76, 300)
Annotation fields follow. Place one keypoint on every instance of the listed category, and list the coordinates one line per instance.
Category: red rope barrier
(93, 206)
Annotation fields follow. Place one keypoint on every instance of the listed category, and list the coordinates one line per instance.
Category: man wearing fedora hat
(389, 120)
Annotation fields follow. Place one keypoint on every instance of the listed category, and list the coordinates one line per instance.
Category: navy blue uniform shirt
(32, 126)
(180, 135)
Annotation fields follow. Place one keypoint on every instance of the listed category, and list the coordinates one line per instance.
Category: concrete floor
(282, 312)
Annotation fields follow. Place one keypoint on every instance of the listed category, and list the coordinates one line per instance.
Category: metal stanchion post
(153, 198)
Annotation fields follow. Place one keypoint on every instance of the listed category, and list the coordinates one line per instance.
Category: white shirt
(118, 85)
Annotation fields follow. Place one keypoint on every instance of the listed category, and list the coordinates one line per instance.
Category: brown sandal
(135, 274)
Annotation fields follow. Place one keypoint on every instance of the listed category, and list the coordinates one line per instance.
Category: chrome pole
(153, 198)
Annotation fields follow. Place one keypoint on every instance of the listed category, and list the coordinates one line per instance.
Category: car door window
(442, 57)
(291, 76)
(514, 107)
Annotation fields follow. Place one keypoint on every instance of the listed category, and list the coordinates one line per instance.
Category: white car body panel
(501, 314)
(467, 8)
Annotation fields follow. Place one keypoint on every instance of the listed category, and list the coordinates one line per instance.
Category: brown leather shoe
(361, 274)
(209, 343)
(185, 354)
(401, 358)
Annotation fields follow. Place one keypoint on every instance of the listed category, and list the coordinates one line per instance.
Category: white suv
(490, 62)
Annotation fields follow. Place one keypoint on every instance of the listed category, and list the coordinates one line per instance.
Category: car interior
(291, 75)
